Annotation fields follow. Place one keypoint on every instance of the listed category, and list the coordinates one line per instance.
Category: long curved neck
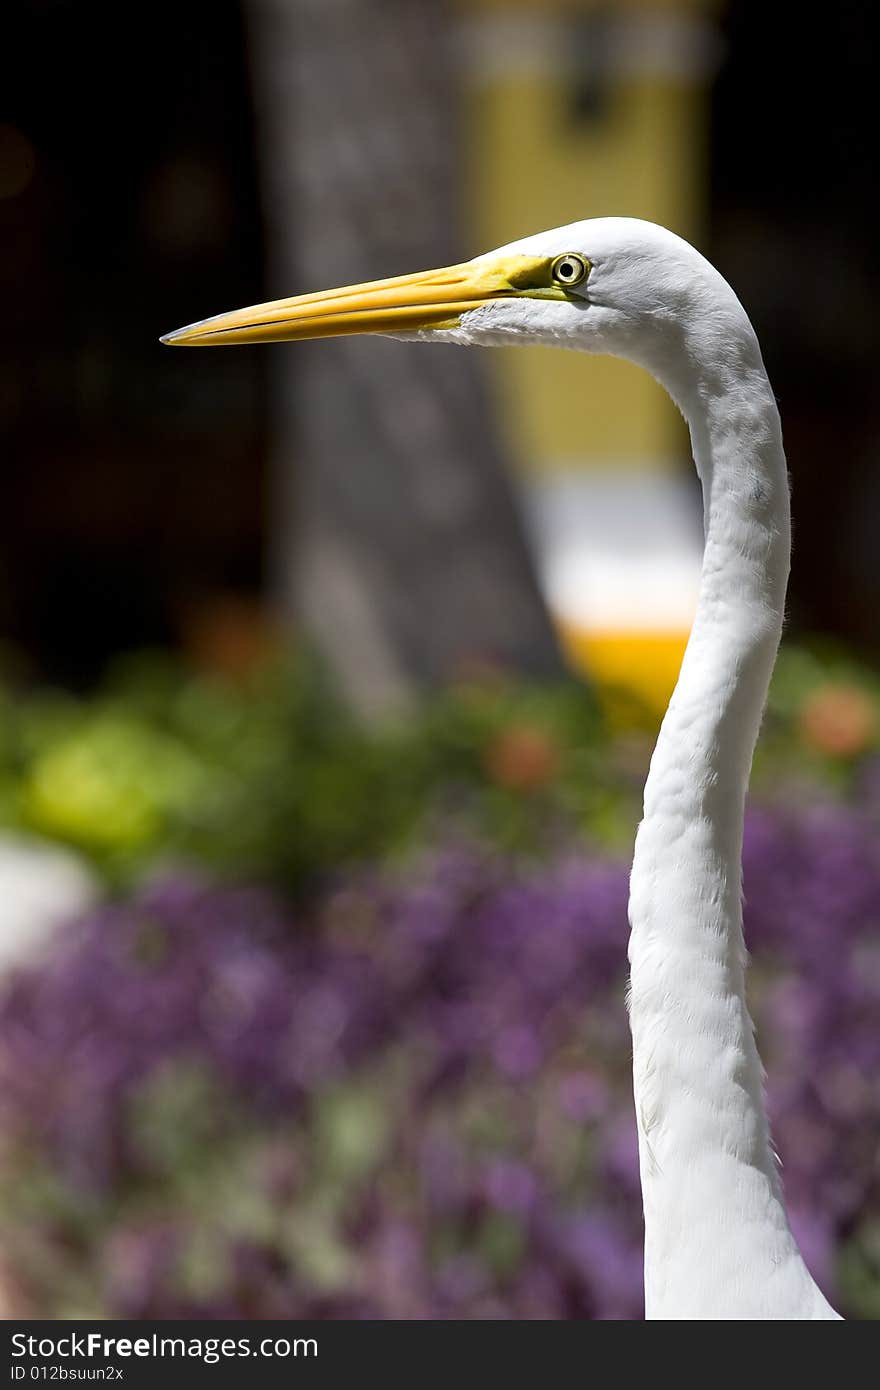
(715, 1224)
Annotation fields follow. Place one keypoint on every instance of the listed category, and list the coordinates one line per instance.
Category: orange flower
(522, 758)
(230, 635)
(839, 720)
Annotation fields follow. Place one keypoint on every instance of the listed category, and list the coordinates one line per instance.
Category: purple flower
(413, 1100)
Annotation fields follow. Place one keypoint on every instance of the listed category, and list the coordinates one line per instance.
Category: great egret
(718, 1244)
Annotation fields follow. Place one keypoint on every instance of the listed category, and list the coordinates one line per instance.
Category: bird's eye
(569, 269)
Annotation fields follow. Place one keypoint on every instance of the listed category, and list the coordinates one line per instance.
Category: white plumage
(717, 1239)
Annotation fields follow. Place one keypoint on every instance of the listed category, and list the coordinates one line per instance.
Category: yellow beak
(429, 299)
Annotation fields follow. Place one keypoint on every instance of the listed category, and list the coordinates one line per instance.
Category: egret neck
(710, 1179)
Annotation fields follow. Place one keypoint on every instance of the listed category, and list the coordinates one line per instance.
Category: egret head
(612, 284)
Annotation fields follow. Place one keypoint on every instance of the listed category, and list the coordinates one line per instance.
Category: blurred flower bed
(272, 779)
(413, 1101)
(388, 1079)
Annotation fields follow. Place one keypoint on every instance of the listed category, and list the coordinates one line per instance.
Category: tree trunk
(397, 539)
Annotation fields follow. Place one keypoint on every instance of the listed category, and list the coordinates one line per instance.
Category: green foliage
(276, 780)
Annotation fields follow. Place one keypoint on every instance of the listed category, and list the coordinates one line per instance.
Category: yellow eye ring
(569, 269)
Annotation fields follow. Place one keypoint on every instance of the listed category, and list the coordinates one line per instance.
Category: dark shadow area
(131, 490)
(794, 216)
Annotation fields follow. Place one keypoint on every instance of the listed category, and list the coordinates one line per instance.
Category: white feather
(717, 1238)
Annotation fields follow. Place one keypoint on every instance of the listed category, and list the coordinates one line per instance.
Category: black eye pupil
(569, 270)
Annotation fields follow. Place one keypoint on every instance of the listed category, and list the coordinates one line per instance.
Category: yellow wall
(533, 164)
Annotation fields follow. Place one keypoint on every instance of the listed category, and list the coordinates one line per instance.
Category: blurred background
(329, 674)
